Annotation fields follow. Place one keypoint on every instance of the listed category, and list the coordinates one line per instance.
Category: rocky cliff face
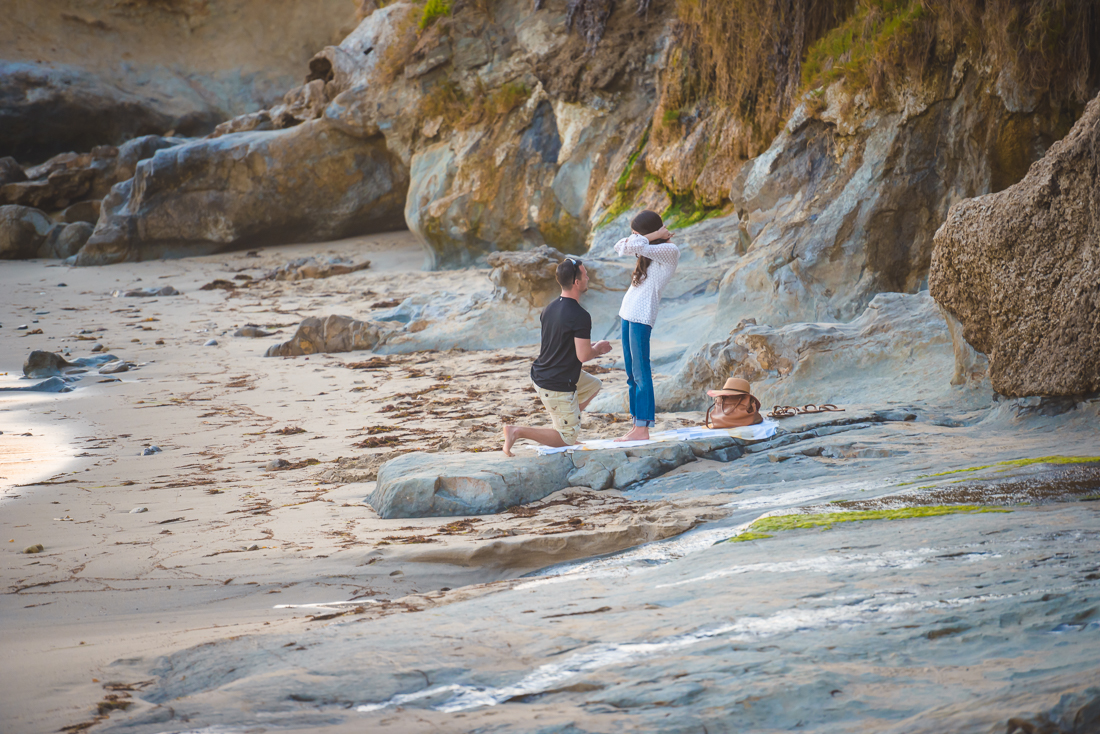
(1021, 270)
(73, 76)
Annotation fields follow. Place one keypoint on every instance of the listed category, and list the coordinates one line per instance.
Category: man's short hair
(569, 272)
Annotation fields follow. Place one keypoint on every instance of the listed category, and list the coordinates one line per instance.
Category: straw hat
(733, 386)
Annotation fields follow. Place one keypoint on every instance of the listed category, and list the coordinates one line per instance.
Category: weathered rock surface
(41, 363)
(306, 183)
(428, 485)
(52, 384)
(1020, 269)
(899, 348)
(113, 71)
(434, 485)
(310, 268)
(328, 334)
(22, 231)
(65, 240)
(530, 276)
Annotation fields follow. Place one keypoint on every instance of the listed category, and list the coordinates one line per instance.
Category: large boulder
(439, 485)
(443, 485)
(65, 240)
(530, 276)
(306, 183)
(1020, 270)
(329, 334)
(22, 231)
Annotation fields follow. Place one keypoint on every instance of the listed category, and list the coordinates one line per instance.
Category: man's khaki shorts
(565, 407)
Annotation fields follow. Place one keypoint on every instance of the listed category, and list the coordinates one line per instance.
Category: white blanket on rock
(758, 432)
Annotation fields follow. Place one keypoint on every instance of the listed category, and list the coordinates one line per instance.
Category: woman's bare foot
(638, 433)
(509, 439)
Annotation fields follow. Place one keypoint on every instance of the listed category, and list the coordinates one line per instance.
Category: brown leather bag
(734, 411)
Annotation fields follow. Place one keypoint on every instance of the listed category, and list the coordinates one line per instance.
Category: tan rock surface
(1021, 270)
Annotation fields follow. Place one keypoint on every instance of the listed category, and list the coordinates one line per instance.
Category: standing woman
(657, 259)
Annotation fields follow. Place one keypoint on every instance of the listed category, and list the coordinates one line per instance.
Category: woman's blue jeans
(639, 373)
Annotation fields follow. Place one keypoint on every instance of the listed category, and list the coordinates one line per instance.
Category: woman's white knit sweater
(640, 301)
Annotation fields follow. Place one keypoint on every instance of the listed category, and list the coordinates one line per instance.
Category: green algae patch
(828, 519)
(1013, 463)
(747, 536)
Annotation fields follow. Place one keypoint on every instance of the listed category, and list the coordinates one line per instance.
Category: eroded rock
(22, 231)
(329, 334)
(900, 348)
(211, 195)
(308, 268)
(1020, 269)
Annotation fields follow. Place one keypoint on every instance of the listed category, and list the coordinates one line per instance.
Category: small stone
(276, 464)
(150, 450)
(136, 510)
(36, 548)
(211, 343)
(159, 342)
(252, 547)
(98, 347)
(62, 285)
(23, 327)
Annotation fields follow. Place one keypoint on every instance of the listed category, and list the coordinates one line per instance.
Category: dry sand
(227, 546)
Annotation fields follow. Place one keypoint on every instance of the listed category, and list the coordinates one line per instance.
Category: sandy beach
(225, 546)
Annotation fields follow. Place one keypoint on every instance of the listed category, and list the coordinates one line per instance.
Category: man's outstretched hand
(602, 347)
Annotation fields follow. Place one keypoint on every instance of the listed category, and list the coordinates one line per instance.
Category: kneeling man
(562, 386)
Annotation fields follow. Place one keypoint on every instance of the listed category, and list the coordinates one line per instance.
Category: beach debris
(159, 342)
(36, 548)
(21, 327)
(147, 292)
(252, 547)
(150, 450)
(138, 510)
(219, 284)
(308, 268)
(211, 343)
(289, 431)
(62, 285)
(277, 464)
(98, 347)
(253, 331)
(117, 366)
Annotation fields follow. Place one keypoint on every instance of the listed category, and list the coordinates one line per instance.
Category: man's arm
(587, 351)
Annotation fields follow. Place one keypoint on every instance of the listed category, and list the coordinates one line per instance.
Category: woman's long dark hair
(645, 223)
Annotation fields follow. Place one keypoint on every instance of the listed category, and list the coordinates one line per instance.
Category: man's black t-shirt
(557, 367)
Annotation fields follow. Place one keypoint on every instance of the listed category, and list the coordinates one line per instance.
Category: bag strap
(707, 422)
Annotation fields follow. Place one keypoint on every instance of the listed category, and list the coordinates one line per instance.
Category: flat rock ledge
(447, 485)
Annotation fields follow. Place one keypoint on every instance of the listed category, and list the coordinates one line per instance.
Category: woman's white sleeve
(637, 244)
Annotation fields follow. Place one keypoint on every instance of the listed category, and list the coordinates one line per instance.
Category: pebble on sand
(211, 343)
(136, 510)
(276, 464)
(98, 347)
(36, 548)
(150, 450)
